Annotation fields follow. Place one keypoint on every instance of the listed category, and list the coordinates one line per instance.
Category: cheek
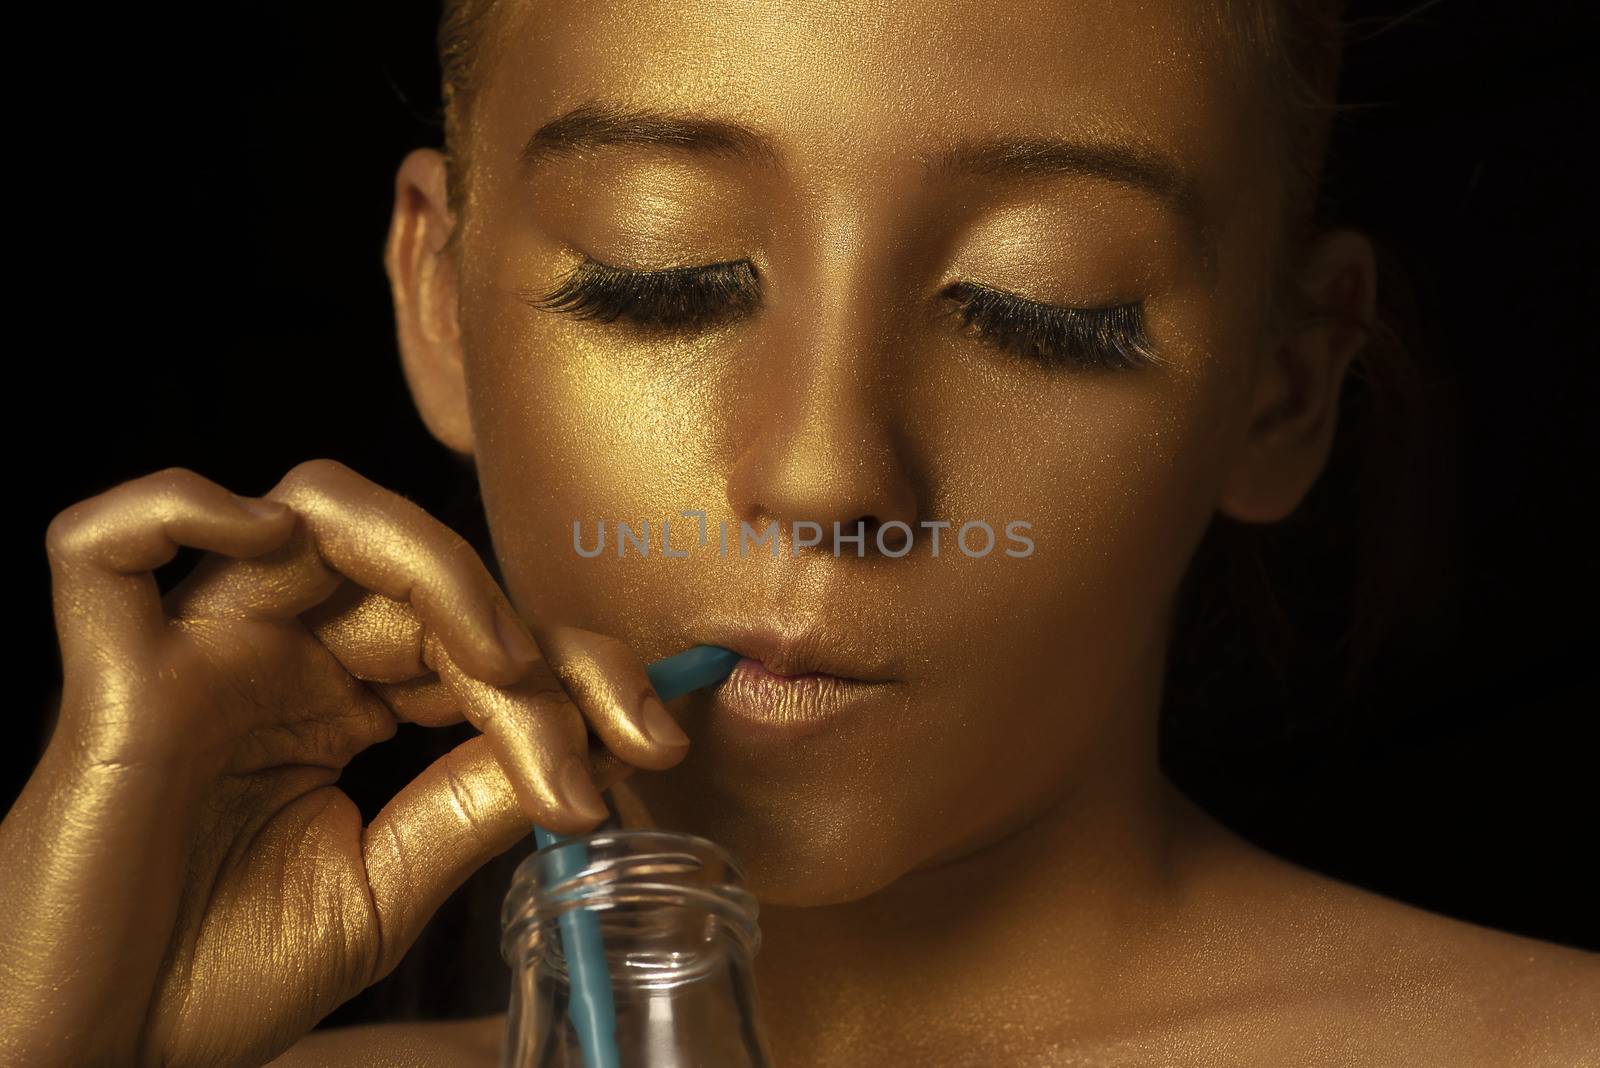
(1117, 475)
(572, 426)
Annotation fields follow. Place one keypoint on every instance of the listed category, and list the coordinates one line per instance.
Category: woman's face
(1107, 161)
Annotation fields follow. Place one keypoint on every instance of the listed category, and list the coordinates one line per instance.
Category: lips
(811, 652)
(789, 687)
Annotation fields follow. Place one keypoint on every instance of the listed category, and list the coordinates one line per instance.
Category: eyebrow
(594, 124)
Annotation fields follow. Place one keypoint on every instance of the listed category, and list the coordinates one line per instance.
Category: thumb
(445, 824)
(448, 822)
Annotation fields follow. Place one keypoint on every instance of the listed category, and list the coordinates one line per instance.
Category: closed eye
(673, 298)
(684, 298)
(1111, 338)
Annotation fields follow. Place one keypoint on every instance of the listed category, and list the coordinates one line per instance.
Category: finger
(452, 819)
(426, 701)
(388, 545)
(102, 551)
(456, 816)
(608, 682)
(539, 737)
(607, 768)
(377, 639)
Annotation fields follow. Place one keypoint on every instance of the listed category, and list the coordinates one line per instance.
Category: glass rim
(617, 872)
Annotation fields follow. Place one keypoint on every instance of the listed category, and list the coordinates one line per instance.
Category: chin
(819, 848)
(811, 879)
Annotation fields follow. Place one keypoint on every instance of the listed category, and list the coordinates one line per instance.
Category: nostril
(890, 539)
(893, 539)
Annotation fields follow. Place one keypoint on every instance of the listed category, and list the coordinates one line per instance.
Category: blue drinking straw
(593, 1013)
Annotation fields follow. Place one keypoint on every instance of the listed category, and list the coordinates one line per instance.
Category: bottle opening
(668, 907)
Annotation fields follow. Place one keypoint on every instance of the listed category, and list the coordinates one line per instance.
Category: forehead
(847, 81)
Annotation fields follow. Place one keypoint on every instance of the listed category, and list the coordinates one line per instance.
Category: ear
(1295, 400)
(422, 277)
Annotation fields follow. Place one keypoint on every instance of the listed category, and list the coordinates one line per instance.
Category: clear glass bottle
(677, 930)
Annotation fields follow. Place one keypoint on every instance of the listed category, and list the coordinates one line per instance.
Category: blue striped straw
(591, 1008)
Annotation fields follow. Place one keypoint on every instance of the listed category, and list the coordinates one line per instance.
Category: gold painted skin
(183, 883)
(992, 871)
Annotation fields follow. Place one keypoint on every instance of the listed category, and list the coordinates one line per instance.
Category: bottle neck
(670, 907)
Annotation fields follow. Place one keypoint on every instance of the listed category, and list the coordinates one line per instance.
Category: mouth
(812, 652)
(791, 685)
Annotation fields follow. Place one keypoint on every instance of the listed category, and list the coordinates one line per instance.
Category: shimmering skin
(989, 869)
(184, 884)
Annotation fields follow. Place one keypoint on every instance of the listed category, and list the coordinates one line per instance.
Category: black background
(202, 200)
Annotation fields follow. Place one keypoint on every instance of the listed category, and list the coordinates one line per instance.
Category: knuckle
(77, 528)
(175, 479)
(558, 716)
(63, 538)
(547, 692)
(459, 554)
(615, 650)
(173, 487)
(320, 467)
(458, 784)
(324, 485)
(321, 476)
(576, 679)
(606, 670)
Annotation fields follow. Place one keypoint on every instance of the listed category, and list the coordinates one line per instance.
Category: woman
(873, 268)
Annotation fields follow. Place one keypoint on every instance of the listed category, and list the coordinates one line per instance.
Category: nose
(823, 440)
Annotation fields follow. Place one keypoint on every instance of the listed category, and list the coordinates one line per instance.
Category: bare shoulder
(1375, 980)
(463, 1043)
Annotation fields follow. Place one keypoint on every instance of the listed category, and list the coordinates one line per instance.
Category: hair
(463, 30)
(1360, 531)
(1364, 548)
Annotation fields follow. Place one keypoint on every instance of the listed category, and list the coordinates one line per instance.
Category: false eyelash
(1111, 338)
(670, 298)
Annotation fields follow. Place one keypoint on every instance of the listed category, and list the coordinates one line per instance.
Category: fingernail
(659, 724)
(577, 789)
(517, 645)
(263, 508)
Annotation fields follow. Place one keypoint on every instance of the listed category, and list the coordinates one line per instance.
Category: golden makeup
(984, 263)
(851, 392)
(984, 272)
